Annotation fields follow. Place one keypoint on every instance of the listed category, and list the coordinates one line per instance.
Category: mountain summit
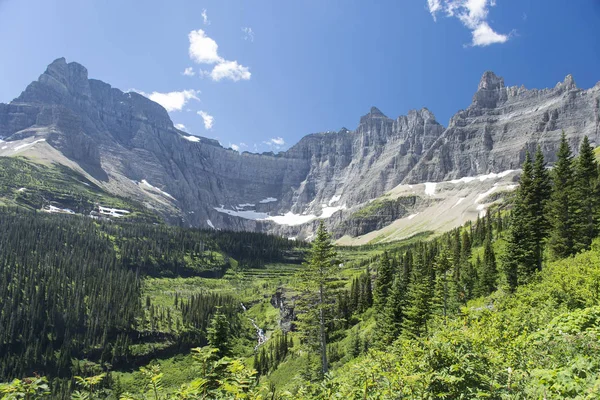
(128, 145)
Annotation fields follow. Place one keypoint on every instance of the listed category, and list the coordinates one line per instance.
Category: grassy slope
(32, 186)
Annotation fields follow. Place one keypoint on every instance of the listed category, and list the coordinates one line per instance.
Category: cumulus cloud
(189, 71)
(276, 142)
(234, 147)
(207, 118)
(248, 33)
(204, 50)
(205, 17)
(230, 70)
(181, 127)
(171, 101)
(473, 14)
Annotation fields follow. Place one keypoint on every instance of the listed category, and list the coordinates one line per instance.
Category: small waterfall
(260, 334)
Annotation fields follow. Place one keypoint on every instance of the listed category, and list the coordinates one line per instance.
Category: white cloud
(248, 33)
(234, 147)
(230, 70)
(483, 35)
(204, 50)
(207, 118)
(473, 14)
(277, 142)
(171, 101)
(189, 71)
(205, 17)
(181, 127)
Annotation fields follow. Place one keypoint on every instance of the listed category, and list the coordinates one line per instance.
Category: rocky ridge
(128, 145)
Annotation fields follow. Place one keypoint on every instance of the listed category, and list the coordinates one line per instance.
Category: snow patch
(291, 219)
(155, 189)
(246, 214)
(268, 200)
(430, 188)
(412, 216)
(21, 189)
(481, 178)
(246, 205)
(335, 199)
(209, 222)
(53, 209)
(329, 211)
(113, 212)
(4, 147)
(194, 139)
(22, 146)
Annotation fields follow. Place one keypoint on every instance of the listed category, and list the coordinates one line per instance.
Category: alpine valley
(385, 180)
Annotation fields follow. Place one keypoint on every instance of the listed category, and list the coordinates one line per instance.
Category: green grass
(32, 186)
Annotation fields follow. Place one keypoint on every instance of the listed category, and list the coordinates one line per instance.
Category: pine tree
(541, 187)
(390, 324)
(520, 257)
(217, 333)
(562, 203)
(489, 272)
(445, 297)
(586, 197)
(383, 283)
(318, 292)
(418, 304)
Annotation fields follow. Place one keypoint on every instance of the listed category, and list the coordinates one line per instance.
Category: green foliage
(318, 292)
(26, 388)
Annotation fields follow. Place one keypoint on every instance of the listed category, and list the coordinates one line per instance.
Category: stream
(260, 334)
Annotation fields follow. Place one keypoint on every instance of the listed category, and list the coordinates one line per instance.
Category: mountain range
(381, 175)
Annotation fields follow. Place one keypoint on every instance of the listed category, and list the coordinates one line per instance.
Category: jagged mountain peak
(568, 83)
(490, 81)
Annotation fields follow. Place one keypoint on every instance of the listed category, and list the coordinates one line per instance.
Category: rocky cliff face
(129, 146)
(502, 123)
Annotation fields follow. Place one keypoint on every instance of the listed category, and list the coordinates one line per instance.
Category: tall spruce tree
(418, 299)
(520, 250)
(390, 324)
(489, 272)
(563, 203)
(318, 292)
(383, 283)
(586, 197)
(541, 188)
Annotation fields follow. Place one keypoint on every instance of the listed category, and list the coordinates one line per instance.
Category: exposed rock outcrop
(129, 146)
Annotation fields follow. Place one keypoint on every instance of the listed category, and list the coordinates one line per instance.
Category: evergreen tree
(390, 323)
(520, 254)
(383, 283)
(541, 187)
(445, 297)
(563, 203)
(586, 197)
(316, 284)
(418, 305)
(218, 333)
(489, 272)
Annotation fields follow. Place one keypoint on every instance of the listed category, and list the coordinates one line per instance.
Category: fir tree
(418, 305)
(520, 254)
(541, 187)
(562, 203)
(318, 292)
(218, 333)
(586, 197)
(489, 272)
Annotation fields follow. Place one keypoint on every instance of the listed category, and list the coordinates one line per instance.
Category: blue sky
(284, 69)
